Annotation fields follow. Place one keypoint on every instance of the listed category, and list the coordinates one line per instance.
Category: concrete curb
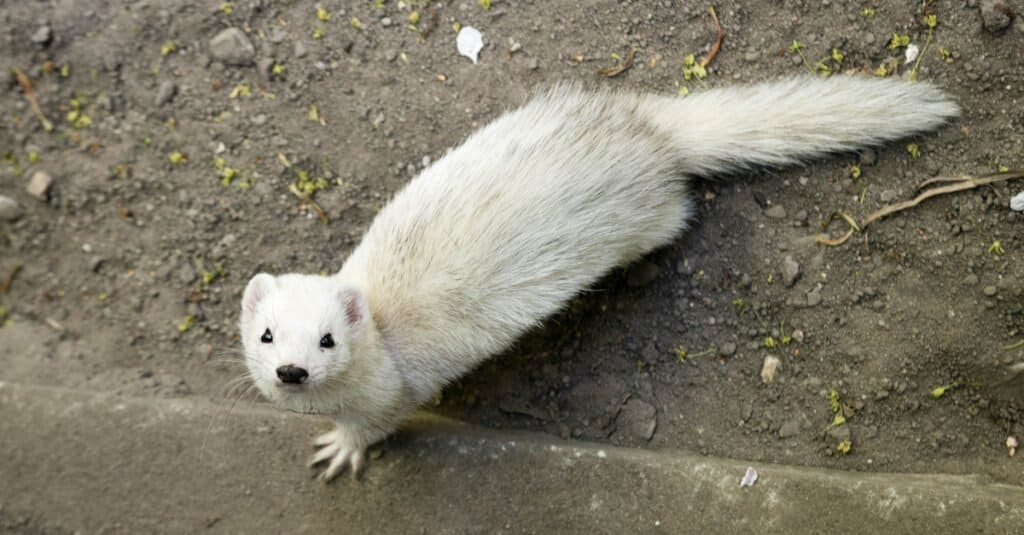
(73, 460)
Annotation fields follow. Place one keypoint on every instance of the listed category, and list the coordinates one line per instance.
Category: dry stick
(961, 183)
(956, 183)
(619, 69)
(305, 197)
(718, 40)
(5, 288)
(30, 95)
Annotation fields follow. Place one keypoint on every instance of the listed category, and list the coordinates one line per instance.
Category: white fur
(530, 210)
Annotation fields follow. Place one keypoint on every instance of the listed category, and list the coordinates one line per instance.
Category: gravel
(10, 210)
(233, 47)
(39, 185)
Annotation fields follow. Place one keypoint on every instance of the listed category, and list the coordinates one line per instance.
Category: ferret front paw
(340, 450)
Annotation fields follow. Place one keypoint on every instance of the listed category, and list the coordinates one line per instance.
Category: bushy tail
(784, 122)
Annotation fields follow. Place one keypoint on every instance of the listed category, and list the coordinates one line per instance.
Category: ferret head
(301, 334)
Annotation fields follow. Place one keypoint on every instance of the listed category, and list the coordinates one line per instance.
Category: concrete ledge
(73, 460)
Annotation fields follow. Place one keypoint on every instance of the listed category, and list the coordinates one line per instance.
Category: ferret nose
(292, 375)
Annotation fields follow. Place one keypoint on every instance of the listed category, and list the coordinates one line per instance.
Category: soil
(132, 264)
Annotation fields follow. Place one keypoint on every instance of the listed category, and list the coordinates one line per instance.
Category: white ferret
(502, 231)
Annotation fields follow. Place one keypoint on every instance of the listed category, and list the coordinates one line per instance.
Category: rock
(789, 429)
(96, 263)
(790, 271)
(300, 50)
(42, 36)
(776, 212)
(637, 420)
(996, 15)
(769, 368)
(265, 67)
(233, 47)
(9, 209)
(642, 274)
(839, 433)
(813, 298)
(385, 22)
(39, 185)
(533, 64)
(166, 92)
(868, 157)
(728, 349)
(887, 196)
(990, 291)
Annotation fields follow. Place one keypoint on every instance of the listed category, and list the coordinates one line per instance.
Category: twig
(30, 95)
(5, 288)
(961, 183)
(309, 200)
(822, 239)
(718, 40)
(611, 72)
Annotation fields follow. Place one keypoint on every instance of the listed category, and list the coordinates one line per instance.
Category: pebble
(790, 428)
(813, 298)
(868, 157)
(42, 36)
(887, 196)
(233, 47)
(9, 209)
(300, 50)
(39, 185)
(728, 349)
(990, 291)
(776, 212)
(769, 368)
(165, 93)
(533, 64)
(638, 419)
(95, 263)
(642, 274)
(264, 68)
(839, 433)
(790, 271)
(385, 22)
(995, 15)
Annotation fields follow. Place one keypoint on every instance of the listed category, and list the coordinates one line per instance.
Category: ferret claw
(341, 454)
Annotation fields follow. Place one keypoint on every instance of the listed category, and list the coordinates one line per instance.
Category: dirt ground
(171, 171)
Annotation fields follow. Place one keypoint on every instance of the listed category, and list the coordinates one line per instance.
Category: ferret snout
(292, 375)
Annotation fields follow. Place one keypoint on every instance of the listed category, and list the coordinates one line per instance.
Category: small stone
(813, 298)
(43, 35)
(868, 157)
(769, 368)
(776, 212)
(728, 349)
(887, 196)
(95, 263)
(39, 185)
(533, 64)
(300, 50)
(642, 274)
(990, 291)
(385, 22)
(839, 433)
(9, 209)
(789, 429)
(264, 67)
(995, 15)
(166, 92)
(798, 336)
(638, 419)
(233, 47)
(790, 271)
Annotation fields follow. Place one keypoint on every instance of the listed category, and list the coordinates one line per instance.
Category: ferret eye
(267, 337)
(327, 341)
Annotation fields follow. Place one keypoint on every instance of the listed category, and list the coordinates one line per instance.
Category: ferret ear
(353, 302)
(259, 287)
